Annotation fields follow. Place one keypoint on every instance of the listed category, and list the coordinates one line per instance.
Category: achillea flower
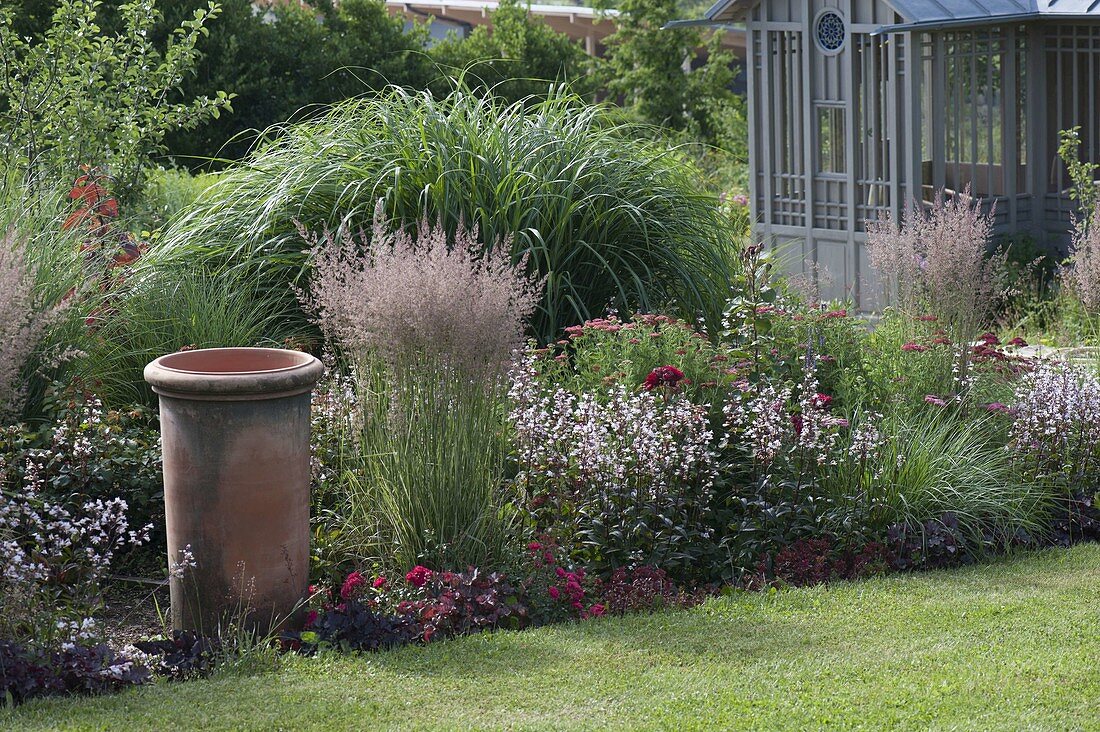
(914, 347)
(934, 400)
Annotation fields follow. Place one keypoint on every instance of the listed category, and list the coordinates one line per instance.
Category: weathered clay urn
(235, 433)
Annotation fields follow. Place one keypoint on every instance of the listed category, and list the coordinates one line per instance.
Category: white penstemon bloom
(177, 570)
(40, 539)
(1057, 418)
(617, 441)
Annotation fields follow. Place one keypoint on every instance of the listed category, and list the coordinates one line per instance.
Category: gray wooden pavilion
(859, 106)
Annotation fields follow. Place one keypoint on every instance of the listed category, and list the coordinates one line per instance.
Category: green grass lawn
(1013, 645)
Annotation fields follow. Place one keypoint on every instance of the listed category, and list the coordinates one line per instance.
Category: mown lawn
(1014, 645)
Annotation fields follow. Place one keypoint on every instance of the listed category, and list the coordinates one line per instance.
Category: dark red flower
(668, 376)
(353, 582)
(418, 576)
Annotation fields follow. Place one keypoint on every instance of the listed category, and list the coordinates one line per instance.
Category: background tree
(678, 79)
(81, 95)
(291, 61)
(519, 58)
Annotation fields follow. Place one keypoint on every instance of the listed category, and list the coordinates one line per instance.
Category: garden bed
(1009, 645)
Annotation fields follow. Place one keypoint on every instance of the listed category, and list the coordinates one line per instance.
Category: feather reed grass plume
(23, 322)
(940, 262)
(1082, 275)
(410, 299)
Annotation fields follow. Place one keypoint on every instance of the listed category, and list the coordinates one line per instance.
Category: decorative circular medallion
(829, 32)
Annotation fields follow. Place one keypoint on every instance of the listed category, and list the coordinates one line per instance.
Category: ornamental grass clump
(939, 262)
(421, 299)
(427, 324)
(610, 216)
(1082, 275)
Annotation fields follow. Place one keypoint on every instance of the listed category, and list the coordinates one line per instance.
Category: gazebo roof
(944, 13)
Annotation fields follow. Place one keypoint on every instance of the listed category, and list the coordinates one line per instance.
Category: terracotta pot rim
(233, 373)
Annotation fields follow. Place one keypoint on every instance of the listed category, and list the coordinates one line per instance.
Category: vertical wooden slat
(890, 143)
(1037, 94)
(914, 69)
(939, 105)
(766, 108)
(809, 130)
(972, 107)
(1009, 101)
(853, 130)
(798, 125)
(751, 36)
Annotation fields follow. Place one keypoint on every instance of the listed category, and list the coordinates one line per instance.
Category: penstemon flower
(1057, 420)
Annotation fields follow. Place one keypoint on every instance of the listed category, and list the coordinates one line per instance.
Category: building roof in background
(579, 22)
(945, 13)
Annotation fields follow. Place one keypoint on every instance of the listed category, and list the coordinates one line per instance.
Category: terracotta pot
(235, 433)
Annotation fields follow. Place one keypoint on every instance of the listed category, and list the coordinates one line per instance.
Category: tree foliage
(660, 74)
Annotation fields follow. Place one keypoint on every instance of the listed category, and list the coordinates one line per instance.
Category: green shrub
(167, 192)
(609, 221)
(314, 55)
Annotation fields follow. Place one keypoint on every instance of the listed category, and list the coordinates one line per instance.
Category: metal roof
(931, 13)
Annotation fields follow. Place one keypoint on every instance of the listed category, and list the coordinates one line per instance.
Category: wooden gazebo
(859, 106)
